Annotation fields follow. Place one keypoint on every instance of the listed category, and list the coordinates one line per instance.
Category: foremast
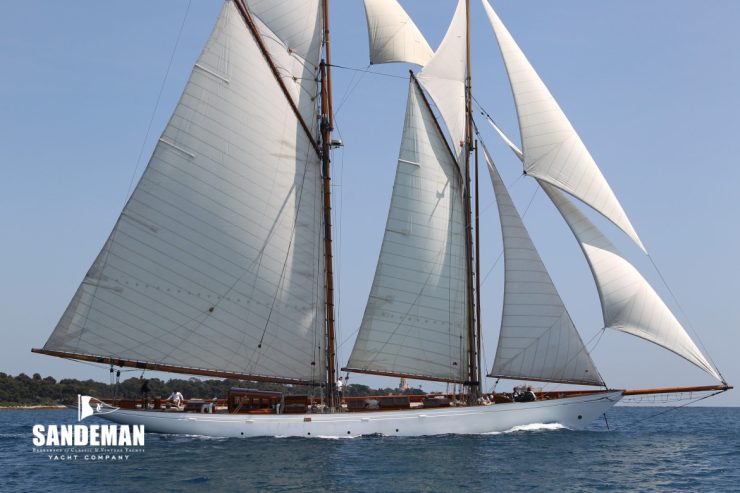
(327, 125)
(474, 379)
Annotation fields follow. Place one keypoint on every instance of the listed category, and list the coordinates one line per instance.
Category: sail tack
(628, 302)
(393, 36)
(216, 261)
(553, 151)
(444, 78)
(537, 340)
(416, 316)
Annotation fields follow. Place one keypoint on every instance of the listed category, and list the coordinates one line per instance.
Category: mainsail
(538, 340)
(628, 302)
(416, 316)
(553, 151)
(216, 261)
(444, 79)
(393, 36)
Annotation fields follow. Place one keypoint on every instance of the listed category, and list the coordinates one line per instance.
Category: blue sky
(650, 86)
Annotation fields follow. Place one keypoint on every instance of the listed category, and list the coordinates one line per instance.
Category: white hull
(572, 412)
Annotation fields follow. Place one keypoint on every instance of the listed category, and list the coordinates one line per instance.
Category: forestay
(537, 340)
(628, 302)
(416, 315)
(553, 151)
(216, 261)
(444, 78)
(393, 36)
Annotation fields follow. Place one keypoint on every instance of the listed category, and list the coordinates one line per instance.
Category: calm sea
(689, 449)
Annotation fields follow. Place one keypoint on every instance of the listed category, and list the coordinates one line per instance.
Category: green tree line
(22, 390)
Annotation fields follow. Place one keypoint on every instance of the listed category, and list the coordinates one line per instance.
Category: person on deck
(340, 388)
(144, 392)
(175, 398)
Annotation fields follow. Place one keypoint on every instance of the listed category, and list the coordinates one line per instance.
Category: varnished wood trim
(674, 390)
(146, 365)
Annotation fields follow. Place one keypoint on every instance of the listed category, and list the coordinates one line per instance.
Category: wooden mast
(473, 381)
(327, 125)
(478, 330)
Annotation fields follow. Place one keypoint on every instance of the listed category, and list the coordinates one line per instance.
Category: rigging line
(501, 254)
(671, 409)
(350, 90)
(281, 282)
(531, 200)
(339, 211)
(685, 316)
(257, 36)
(598, 335)
(483, 110)
(371, 72)
(141, 152)
(159, 98)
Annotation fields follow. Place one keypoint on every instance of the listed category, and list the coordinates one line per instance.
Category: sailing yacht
(221, 262)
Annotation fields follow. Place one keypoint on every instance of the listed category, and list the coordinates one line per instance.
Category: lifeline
(88, 435)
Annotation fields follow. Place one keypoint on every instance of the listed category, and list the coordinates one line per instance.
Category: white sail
(537, 340)
(444, 78)
(216, 261)
(416, 316)
(506, 140)
(393, 36)
(553, 151)
(296, 24)
(628, 302)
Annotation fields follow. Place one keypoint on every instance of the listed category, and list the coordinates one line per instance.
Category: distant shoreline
(32, 408)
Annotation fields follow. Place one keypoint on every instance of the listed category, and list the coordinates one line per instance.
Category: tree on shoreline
(38, 390)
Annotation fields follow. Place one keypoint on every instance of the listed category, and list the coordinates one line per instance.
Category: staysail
(537, 340)
(629, 304)
(553, 151)
(416, 316)
(444, 79)
(216, 261)
(393, 36)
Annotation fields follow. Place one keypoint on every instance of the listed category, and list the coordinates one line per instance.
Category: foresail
(393, 36)
(416, 316)
(553, 151)
(216, 261)
(444, 78)
(628, 302)
(537, 340)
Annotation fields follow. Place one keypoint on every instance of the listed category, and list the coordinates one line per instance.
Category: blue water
(689, 449)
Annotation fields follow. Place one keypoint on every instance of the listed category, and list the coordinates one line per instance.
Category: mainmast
(474, 377)
(327, 125)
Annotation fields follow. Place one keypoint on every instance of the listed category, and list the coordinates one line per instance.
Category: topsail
(444, 78)
(553, 151)
(393, 36)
